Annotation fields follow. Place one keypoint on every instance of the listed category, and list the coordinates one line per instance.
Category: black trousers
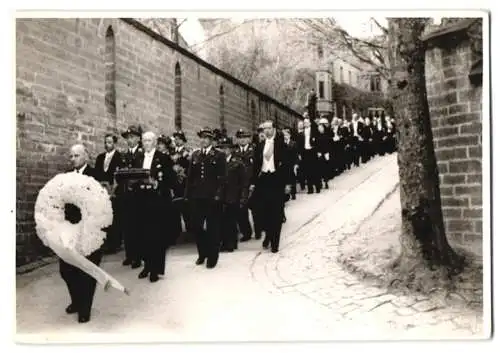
(244, 221)
(229, 234)
(131, 222)
(81, 286)
(311, 169)
(207, 242)
(156, 216)
(270, 198)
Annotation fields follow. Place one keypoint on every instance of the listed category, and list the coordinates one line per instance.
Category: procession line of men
(216, 184)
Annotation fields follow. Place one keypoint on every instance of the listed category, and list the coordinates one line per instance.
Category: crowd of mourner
(214, 191)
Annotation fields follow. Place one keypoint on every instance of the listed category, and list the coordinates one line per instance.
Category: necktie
(268, 153)
(107, 160)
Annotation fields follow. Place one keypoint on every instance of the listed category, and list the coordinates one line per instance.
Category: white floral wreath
(89, 197)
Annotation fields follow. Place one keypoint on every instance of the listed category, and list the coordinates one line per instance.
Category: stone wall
(456, 115)
(77, 79)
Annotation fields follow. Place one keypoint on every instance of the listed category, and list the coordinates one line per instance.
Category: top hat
(206, 132)
(180, 135)
(242, 133)
(323, 121)
(132, 130)
(225, 142)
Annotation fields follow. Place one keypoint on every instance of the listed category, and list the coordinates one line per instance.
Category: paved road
(300, 293)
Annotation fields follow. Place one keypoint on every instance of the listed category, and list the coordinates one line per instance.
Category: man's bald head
(78, 155)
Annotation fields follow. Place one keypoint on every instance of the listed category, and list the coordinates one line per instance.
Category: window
(320, 51)
(321, 89)
(110, 73)
(341, 78)
(178, 97)
(349, 77)
(375, 83)
(253, 114)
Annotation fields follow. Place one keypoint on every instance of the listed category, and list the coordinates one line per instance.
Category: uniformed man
(234, 196)
(244, 151)
(131, 222)
(180, 157)
(204, 188)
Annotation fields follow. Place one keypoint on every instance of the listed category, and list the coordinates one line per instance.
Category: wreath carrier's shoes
(136, 264)
(143, 274)
(200, 261)
(153, 278)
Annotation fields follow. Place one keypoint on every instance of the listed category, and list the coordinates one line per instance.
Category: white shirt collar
(110, 153)
(150, 152)
(80, 170)
(134, 148)
(207, 149)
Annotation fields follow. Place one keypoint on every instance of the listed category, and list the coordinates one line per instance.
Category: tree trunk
(423, 239)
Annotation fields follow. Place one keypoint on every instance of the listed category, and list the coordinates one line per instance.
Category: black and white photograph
(252, 177)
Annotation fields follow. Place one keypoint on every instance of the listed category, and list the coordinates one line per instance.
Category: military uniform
(204, 188)
(180, 157)
(131, 207)
(245, 154)
(234, 197)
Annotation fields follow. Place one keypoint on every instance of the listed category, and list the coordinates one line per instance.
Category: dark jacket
(293, 152)
(206, 173)
(133, 160)
(282, 162)
(246, 158)
(235, 183)
(161, 171)
(323, 143)
(115, 163)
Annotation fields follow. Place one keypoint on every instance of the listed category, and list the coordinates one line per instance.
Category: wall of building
(456, 115)
(78, 79)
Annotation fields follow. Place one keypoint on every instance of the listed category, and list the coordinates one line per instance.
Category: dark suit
(269, 189)
(310, 160)
(293, 157)
(156, 213)
(204, 190)
(235, 198)
(114, 238)
(246, 157)
(346, 134)
(81, 286)
(357, 142)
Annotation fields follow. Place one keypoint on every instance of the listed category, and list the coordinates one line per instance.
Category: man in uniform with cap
(244, 151)
(180, 157)
(204, 191)
(131, 207)
(234, 196)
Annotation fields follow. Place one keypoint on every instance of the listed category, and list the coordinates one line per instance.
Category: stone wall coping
(141, 27)
(441, 36)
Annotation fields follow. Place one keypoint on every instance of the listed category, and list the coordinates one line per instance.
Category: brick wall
(455, 105)
(62, 79)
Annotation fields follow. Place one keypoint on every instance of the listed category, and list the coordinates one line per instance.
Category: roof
(454, 29)
(141, 27)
